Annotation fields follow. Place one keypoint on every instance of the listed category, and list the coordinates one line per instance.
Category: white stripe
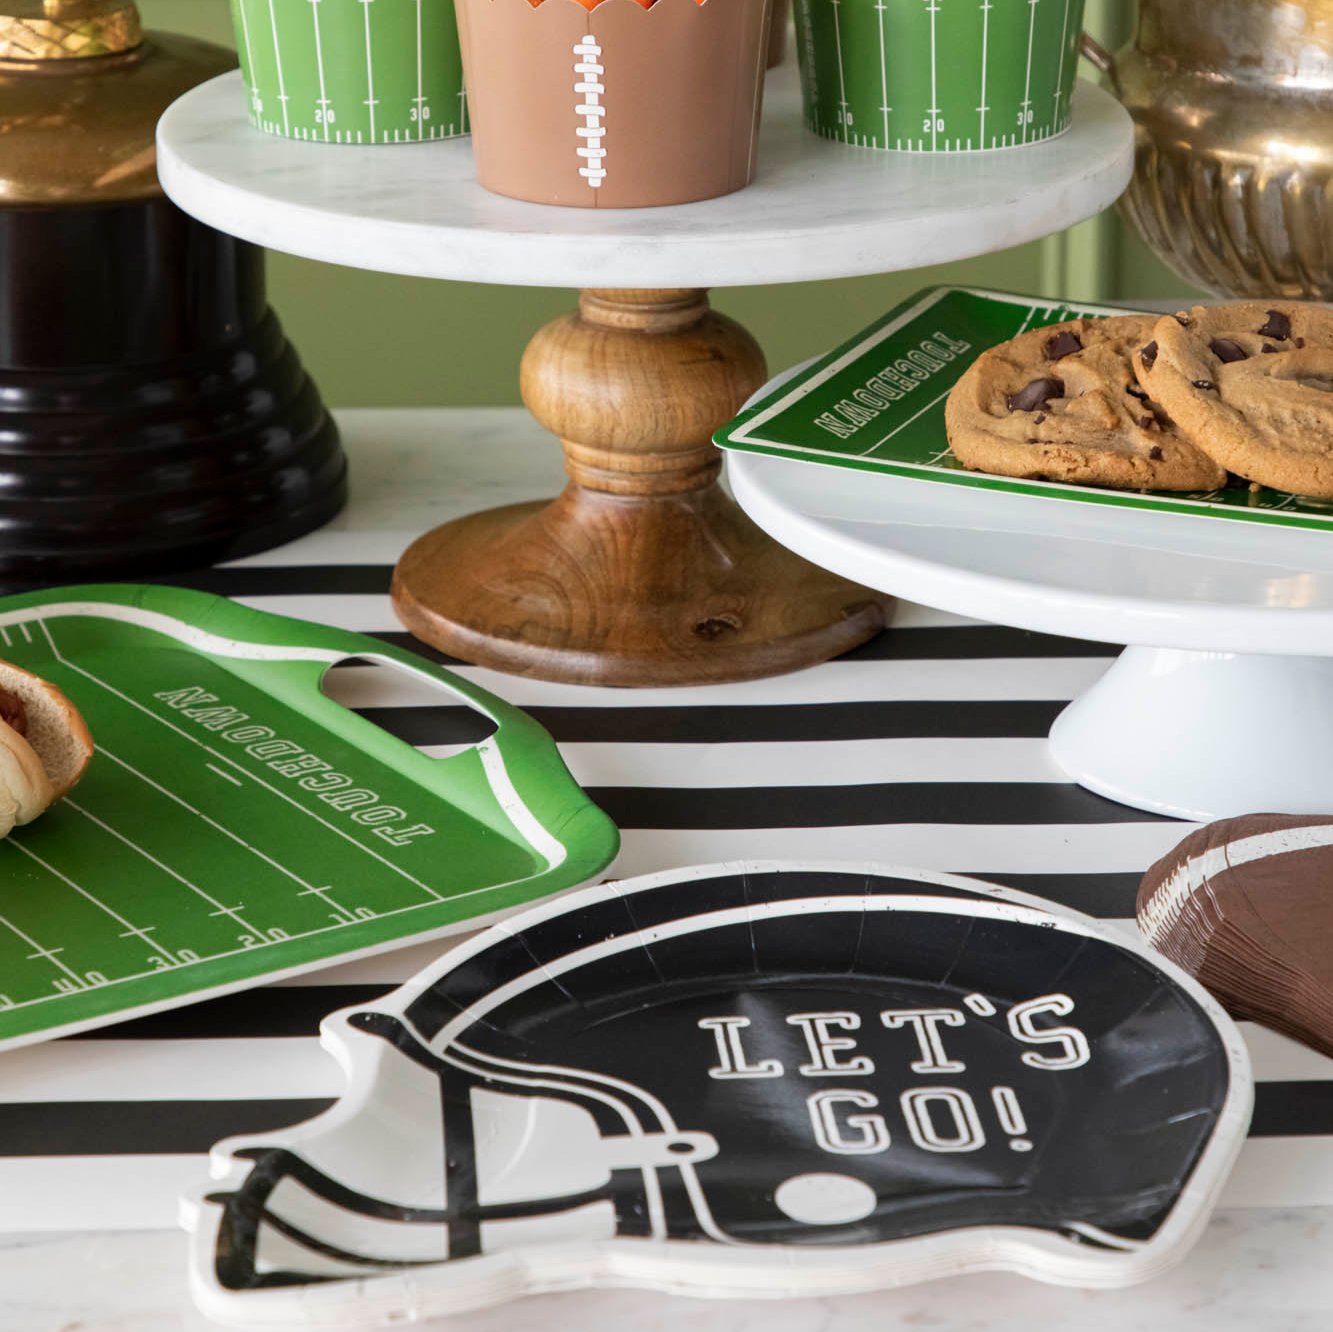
(46, 1193)
(391, 968)
(809, 763)
(994, 679)
(206, 1069)
(43, 1194)
(1052, 848)
(1282, 1172)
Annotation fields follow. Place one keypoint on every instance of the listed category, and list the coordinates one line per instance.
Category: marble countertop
(1254, 1268)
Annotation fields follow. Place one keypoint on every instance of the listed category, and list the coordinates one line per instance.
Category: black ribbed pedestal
(153, 417)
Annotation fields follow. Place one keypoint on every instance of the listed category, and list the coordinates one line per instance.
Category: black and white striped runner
(926, 747)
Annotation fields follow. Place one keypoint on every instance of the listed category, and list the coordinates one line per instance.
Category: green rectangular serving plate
(840, 411)
(236, 824)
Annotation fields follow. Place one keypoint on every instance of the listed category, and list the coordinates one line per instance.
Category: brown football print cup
(618, 105)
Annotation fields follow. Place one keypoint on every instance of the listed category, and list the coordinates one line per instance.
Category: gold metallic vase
(1233, 103)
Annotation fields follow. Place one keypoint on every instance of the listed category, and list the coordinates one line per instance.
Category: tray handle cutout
(412, 707)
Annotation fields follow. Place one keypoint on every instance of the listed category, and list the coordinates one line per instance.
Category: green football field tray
(236, 824)
(877, 403)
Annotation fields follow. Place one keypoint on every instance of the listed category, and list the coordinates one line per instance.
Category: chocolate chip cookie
(1251, 384)
(1063, 404)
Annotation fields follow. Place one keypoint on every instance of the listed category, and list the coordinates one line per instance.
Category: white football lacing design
(588, 84)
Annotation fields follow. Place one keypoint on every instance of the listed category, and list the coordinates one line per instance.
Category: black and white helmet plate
(750, 1079)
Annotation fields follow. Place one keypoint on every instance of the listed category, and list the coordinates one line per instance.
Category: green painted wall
(376, 340)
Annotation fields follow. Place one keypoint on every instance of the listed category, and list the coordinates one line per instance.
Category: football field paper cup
(938, 76)
(352, 71)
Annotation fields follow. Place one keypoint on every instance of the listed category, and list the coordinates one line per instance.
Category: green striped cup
(938, 76)
(352, 71)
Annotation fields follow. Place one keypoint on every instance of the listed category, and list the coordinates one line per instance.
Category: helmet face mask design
(743, 1079)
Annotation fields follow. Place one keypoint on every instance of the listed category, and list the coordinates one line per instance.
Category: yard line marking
(1027, 81)
(259, 781)
(226, 776)
(319, 64)
(898, 429)
(100, 905)
(27, 637)
(39, 951)
(4, 634)
(421, 86)
(264, 976)
(883, 73)
(166, 869)
(934, 82)
(255, 103)
(985, 45)
(842, 83)
(277, 57)
(222, 828)
(1060, 77)
(323, 895)
(371, 100)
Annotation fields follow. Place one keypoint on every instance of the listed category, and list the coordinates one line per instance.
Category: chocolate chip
(1278, 326)
(1039, 418)
(12, 712)
(1300, 342)
(1227, 351)
(1137, 393)
(1182, 319)
(1035, 395)
(1156, 454)
(1206, 385)
(1148, 423)
(1149, 356)
(1063, 344)
(1269, 350)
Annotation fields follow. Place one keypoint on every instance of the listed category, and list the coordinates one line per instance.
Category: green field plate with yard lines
(877, 403)
(236, 824)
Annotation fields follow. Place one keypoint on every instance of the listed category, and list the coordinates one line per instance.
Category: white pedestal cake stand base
(1223, 704)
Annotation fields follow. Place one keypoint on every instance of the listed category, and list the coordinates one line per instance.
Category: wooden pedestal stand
(643, 572)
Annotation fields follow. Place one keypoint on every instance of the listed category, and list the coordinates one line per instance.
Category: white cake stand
(1223, 703)
(643, 571)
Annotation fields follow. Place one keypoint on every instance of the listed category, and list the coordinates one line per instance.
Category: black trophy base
(153, 416)
(127, 472)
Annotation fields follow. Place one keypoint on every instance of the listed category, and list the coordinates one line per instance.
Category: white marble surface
(817, 210)
(1259, 1268)
(1257, 1271)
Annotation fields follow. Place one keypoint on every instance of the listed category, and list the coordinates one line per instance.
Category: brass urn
(1233, 103)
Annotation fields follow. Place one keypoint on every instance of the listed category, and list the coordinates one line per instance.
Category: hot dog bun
(44, 764)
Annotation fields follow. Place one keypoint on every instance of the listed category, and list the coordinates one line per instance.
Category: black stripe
(287, 580)
(151, 1128)
(141, 1128)
(859, 806)
(967, 642)
(954, 643)
(737, 724)
(1292, 1109)
(276, 1010)
(1106, 896)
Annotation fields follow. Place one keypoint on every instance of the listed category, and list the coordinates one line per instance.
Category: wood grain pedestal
(643, 571)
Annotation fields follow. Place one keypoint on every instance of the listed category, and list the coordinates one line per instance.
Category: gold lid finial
(67, 29)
